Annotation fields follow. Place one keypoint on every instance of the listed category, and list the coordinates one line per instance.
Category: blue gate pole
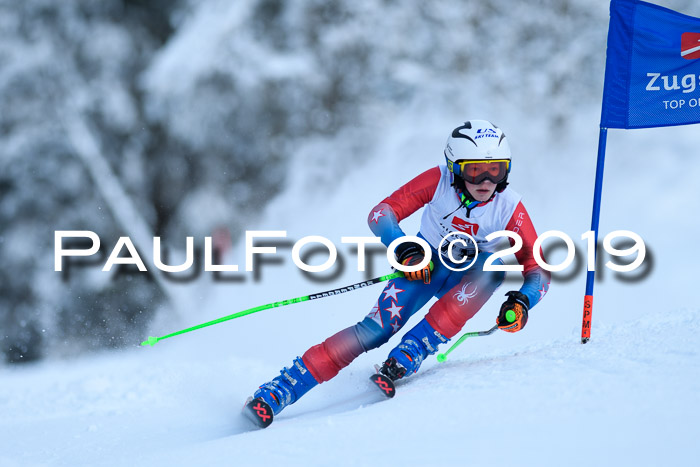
(590, 277)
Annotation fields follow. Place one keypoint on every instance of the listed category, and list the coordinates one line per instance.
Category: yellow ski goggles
(475, 172)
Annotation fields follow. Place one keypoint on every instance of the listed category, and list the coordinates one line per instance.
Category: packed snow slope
(627, 398)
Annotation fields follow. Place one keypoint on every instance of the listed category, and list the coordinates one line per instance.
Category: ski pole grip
(510, 316)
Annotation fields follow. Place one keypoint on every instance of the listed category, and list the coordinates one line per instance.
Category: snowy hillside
(624, 399)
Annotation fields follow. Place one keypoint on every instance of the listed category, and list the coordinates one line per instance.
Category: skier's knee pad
(325, 360)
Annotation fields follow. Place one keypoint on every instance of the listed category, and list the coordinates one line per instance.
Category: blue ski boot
(415, 345)
(287, 388)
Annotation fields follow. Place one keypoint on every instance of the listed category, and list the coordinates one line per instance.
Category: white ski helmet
(477, 140)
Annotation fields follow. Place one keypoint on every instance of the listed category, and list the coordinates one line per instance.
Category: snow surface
(627, 398)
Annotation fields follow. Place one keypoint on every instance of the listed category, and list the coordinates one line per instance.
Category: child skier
(469, 194)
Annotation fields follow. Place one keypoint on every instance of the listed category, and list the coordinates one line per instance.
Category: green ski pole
(152, 340)
(510, 317)
(443, 356)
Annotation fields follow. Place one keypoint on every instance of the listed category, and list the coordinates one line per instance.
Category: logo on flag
(690, 45)
(652, 71)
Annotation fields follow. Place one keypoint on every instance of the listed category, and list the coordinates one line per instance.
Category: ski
(384, 383)
(258, 412)
(385, 376)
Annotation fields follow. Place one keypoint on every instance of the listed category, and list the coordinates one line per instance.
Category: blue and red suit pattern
(460, 293)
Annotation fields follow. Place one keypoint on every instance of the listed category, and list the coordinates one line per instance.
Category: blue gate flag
(652, 70)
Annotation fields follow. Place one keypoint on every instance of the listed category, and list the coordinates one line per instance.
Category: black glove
(513, 314)
(410, 254)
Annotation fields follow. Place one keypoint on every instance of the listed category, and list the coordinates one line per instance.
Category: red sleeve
(521, 224)
(414, 194)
